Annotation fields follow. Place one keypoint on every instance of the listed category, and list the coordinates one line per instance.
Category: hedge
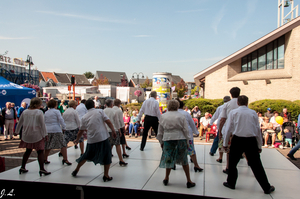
(210, 105)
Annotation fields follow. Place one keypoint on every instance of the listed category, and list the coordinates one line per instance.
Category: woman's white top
(173, 126)
(191, 124)
(34, 128)
(54, 121)
(71, 119)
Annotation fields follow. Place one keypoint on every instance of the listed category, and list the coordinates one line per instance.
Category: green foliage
(132, 106)
(277, 105)
(88, 75)
(205, 105)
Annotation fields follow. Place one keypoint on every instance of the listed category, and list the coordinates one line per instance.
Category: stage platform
(142, 177)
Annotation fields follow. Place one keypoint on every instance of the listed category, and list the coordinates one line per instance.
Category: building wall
(285, 86)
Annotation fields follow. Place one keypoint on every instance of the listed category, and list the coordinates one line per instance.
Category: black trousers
(239, 145)
(149, 122)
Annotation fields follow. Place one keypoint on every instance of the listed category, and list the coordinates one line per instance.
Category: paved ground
(13, 154)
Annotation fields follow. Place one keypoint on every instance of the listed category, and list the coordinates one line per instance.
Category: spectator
(134, 124)
(20, 111)
(276, 126)
(290, 126)
(9, 114)
(285, 114)
(126, 119)
(97, 102)
(204, 124)
(187, 109)
(288, 137)
(267, 130)
(62, 107)
(196, 113)
(268, 113)
(260, 118)
(295, 149)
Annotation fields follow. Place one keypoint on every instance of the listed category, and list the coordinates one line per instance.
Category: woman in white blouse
(54, 125)
(34, 134)
(173, 135)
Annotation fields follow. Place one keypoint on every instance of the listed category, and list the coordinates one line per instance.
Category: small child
(288, 137)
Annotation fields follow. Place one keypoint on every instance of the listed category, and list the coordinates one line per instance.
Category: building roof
(112, 76)
(48, 75)
(250, 48)
(65, 78)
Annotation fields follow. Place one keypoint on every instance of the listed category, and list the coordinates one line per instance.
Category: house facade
(268, 68)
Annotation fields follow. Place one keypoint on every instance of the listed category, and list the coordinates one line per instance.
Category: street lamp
(138, 79)
(29, 61)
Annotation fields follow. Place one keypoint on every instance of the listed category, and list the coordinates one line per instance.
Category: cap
(268, 109)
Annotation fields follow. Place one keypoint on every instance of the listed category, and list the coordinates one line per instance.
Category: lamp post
(138, 78)
(29, 61)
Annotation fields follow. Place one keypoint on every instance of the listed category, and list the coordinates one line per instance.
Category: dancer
(242, 124)
(34, 134)
(150, 108)
(114, 120)
(54, 125)
(173, 135)
(98, 149)
(192, 130)
(231, 105)
(81, 110)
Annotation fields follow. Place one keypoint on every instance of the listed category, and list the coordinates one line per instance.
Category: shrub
(205, 105)
(132, 106)
(277, 105)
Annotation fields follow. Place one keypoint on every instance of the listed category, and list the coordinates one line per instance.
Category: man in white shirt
(150, 108)
(231, 105)
(113, 116)
(242, 123)
(81, 109)
(204, 122)
(97, 102)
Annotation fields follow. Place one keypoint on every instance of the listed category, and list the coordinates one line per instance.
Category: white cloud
(90, 18)
(219, 16)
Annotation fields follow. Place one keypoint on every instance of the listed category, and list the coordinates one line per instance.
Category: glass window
(270, 56)
(281, 52)
(275, 55)
(244, 64)
(249, 63)
(254, 60)
(262, 58)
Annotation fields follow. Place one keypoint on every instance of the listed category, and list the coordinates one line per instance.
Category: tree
(88, 75)
(181, 88)
(147, 83)
(101, 81)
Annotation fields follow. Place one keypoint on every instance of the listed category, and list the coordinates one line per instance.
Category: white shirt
(273, 121)
(119, 116)
(93, 122)
(71, 119)
(81, 110)
(191, 124)
(97, 103)
(113, 118)
(217, 116)
(173, 126)
(150, 107)
(229, 106)
(243, 122)
(54, 121)
(204, 121)
(34, 128)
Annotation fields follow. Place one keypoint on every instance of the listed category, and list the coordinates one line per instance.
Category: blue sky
(178, 36)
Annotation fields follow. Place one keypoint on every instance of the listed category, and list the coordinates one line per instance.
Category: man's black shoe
(141, 149)
(225, 171)
(291, 156)
(210, 153)
(228, 185)
(272, 188)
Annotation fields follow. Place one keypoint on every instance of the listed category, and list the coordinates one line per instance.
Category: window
(270, 56)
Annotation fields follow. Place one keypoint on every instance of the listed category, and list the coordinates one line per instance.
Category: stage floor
(143, 173)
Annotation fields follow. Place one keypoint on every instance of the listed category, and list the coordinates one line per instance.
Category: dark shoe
(46, 162)
(75, 146)
(122, 163)
(44, 172)
(74, 173)
(272, 188)
(191, 160)
(22, 171)
(128, 148)
(291, 156)
(67, 162)
(225, 171)
(165, 182)
(107, 179)
(125, 156)
(210, 153)
(219, 160)
(189, 184)
(174, 168)
(141, 149)
(198, 169)
(228, 185)
(60, 154)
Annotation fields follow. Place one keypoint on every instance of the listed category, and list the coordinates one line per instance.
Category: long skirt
(174, 152)
(55, 141)
(99, 153)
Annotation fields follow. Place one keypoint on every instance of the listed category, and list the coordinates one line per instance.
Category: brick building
(268, 68)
